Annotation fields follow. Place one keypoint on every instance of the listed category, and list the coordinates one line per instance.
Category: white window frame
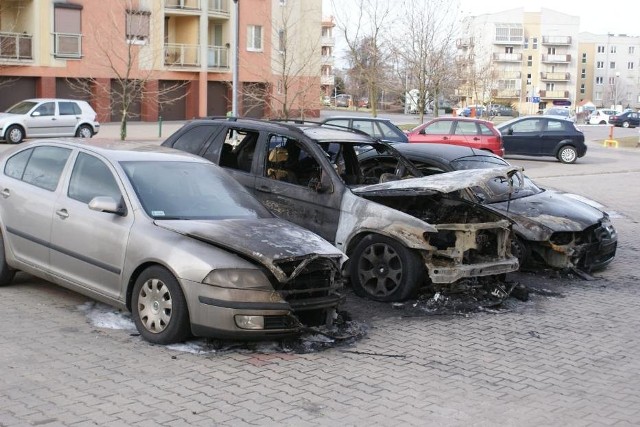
(251, 38)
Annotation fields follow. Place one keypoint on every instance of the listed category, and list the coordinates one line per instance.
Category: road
(569, 356)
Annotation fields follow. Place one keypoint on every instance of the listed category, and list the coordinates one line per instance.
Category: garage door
(172, 100)
(16, 89)
(217, 102)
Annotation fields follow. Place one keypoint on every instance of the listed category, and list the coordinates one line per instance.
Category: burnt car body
(167, 235)
(397, 238)
(552, 228)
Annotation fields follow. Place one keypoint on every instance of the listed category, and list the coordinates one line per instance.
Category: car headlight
(238, 278)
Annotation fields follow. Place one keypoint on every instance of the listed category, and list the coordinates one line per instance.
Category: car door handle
(263, 189)
(6, 192)
(53, 118)
(445, 138)
(62, 213)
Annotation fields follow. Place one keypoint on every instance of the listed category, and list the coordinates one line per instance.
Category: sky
(622, 18)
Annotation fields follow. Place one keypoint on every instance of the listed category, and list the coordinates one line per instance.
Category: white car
(601, 117)
(48, 117)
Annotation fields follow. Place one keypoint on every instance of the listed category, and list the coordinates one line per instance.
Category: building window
(529, 61)
(598, 96)
(599, 80)
(282, 40)
(283, 2)
(67, 32)
(550, 86)
(508, 49)
(582, 88)
(535, 43)
(613, 49)
(612, 65)
(526, 42)
(612, 81)
(254, 38)
(551, 50)
(630, 66)
(632, 49)
(600, 64)
(280, 87)
(600, 49)
(138, 26)
(584, 58)
(583, 73)
(528, 79)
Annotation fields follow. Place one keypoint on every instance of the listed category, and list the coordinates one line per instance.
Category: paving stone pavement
(569, 356)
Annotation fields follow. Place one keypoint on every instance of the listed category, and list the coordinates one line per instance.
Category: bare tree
(15, 43)
(425, 47)
(365, 37)
(126, 62)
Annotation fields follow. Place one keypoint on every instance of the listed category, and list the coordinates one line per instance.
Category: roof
(116, 150)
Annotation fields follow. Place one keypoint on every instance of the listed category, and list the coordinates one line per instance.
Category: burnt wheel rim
(380, 270)
(155, 305)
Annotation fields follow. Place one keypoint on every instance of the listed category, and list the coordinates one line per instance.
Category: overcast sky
(617, 17)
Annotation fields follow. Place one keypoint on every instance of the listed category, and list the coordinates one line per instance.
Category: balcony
(510, 75)
(556, 59)
(505, 93)
(554, 94)
(556, 40)
(218, 58)
(507, 57)
(181, 55)
(185, 6)
(327, 80)
(327, 41)
(555, 77)
(326, 60)
(67, 45)
(219, 8)
(464, 43)
(16, 46)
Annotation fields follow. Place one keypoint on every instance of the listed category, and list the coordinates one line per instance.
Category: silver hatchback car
(48, 117)
(165, 234)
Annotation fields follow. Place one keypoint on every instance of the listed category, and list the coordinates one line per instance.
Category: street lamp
(615, 91)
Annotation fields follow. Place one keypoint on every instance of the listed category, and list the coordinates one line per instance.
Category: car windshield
(22, 107)
(557, 112)
(187, 190)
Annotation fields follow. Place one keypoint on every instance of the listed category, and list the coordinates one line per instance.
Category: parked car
(398, 235)
(48, 117)
(326, 101)
(502, 110)
(164, 234)
(552, 229)
(628, 119)
(601, 116)
(543, 136)
(364, 103)
(377, 127)
(343, 100)
(474, 133)
(560, 112)
(478, 110)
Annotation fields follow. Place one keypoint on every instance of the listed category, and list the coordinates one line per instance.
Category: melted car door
(294, 184)
(88, 247)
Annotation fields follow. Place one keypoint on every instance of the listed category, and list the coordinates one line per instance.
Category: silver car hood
(269, 241)
(440, 183)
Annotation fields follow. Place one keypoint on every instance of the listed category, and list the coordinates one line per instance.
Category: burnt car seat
(277, 167)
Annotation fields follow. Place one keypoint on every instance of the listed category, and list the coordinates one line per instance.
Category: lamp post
(234, 83)
(615, 91)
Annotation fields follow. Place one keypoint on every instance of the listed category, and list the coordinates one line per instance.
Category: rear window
(485, 130)
(69, 109)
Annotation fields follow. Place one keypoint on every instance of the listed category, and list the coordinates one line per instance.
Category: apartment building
(328, 43)
(180, 52)
(609, 70)
(524, 59)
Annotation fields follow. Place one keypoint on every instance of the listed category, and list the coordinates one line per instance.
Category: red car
(474, 133)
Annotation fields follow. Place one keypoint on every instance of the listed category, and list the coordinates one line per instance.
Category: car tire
(382, 269)
(6, 272)
(521, 250)
(567, 154)
(84, 131)
(602, 122)
(158, 307)
(625, 124)
(14, 134)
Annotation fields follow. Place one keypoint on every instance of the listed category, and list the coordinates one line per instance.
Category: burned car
(552, 229)
(397, 238)
(165, 234)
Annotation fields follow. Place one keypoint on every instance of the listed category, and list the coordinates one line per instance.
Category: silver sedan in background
(165, 234)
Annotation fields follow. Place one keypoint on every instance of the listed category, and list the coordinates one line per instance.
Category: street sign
(535, 99)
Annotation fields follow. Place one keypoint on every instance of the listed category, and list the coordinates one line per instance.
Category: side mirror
(106, 204)
(35, 114)
(422, 131)
(510, 131)
(324, 185)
